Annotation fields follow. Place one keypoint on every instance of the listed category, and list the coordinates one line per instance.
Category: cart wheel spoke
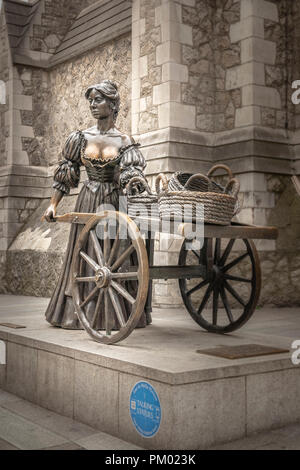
(89, 297)
(226, 304)
(196, 254)
(85, 279)
(215, 305)
(117, 307)
(97, 247)
(106, 243)
(235, 262)
(217, 251)
(205, 298)
(106, 313)
(120, 291)
(216, 313)
(197, 287)
(123, 292)
(122, 258)
(90, 261)
(115, 247)
(203, 252)
(237, 278)
(97, 309)
(234, 293)
(227, 252)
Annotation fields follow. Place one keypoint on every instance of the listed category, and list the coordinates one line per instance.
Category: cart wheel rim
(106, 279)
(217, 286)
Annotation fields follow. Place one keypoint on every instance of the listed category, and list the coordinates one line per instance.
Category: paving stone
(102, 441)
(67, 446)
(6, 397)
(4, 445)
(25, 434)
(287, 438)
(61, 425)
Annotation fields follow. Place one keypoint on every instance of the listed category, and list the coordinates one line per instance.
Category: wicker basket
(219, 206)
(178, 181)
(141, 204)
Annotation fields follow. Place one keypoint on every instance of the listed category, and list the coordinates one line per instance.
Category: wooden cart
(219, 281)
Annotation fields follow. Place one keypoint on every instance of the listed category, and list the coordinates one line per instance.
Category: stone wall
(5, 62)
(276, 204)
(182, 51)
(295, 56)
(224, 63)
(278, 75)
(208, 60)
(4, 77)
(281, 267)
(34, 259)
(58, 102)
(147, 71)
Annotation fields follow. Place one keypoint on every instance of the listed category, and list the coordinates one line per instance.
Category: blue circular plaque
(145, 410)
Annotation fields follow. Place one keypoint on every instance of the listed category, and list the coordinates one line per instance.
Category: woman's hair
(109, 89)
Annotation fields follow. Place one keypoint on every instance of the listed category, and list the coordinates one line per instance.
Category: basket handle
(141, 181)
(232, 187)
(220, 166)
(161, 178)
(196, 177)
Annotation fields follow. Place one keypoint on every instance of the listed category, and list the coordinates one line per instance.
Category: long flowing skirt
(60, 311)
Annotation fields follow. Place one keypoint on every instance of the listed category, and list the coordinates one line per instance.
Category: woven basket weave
(141, 204)
(198, 191)
(179, 179)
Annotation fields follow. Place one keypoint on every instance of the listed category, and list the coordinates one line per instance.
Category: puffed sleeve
(67, 173)
(132, 164)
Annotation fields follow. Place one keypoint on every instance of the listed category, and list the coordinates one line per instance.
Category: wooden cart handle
(74, 217)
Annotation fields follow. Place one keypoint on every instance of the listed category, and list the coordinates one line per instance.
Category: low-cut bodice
(118, 170)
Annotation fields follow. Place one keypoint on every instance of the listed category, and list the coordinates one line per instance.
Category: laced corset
(118, 170)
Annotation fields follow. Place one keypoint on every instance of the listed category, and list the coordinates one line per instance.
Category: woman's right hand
(50, 213)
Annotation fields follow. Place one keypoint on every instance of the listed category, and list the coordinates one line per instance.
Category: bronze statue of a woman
(111, 159)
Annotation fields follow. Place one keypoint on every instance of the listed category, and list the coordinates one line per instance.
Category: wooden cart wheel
(110, 276)
(225, 298)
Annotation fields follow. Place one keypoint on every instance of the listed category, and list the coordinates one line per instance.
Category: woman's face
(99, 105)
